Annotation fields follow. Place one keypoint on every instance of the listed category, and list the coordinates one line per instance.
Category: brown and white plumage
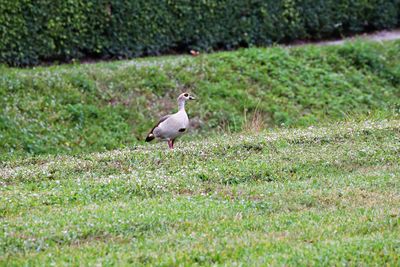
(172, 126)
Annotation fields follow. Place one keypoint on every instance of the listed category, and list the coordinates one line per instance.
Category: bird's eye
(186, 95)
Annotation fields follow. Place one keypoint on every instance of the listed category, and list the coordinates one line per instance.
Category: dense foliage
(34, 31)
(93, 107)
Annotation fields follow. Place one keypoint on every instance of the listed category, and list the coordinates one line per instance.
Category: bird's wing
(163, 118)
(150, 136)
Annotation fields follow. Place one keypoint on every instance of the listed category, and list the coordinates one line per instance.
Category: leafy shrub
(49, 30)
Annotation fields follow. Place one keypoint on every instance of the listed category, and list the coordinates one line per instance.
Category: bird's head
(185, 96)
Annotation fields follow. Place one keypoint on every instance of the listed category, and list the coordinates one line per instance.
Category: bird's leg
(170, 144)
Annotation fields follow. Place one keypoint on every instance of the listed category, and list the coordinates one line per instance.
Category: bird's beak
(192, 98)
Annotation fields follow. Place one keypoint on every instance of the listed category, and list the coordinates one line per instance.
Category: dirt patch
(375, 36)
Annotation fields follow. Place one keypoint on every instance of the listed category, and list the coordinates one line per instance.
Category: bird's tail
(150, 137)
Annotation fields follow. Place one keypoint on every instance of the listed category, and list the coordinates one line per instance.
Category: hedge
(35, 31)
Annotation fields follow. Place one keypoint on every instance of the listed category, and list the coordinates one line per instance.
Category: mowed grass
(312, 196)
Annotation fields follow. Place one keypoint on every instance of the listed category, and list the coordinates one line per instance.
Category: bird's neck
(181, 105)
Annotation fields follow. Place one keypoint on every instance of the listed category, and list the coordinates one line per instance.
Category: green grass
(312, 196)
(78, 108)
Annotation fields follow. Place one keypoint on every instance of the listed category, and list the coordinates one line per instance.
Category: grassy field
(327, 195)
(293, 159)
(77, 108)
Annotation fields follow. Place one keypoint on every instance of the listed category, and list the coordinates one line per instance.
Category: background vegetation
(74, 108)
(34, 31)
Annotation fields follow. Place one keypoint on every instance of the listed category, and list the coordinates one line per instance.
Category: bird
(174, 125)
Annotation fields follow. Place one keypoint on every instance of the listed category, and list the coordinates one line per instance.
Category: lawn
(321, 195)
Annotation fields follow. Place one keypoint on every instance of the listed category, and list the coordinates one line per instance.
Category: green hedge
(33, 31)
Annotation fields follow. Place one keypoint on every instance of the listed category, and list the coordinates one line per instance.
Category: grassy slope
(95, 107)
(326, 195)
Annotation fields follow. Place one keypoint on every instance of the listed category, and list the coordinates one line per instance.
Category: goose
(174, 125)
